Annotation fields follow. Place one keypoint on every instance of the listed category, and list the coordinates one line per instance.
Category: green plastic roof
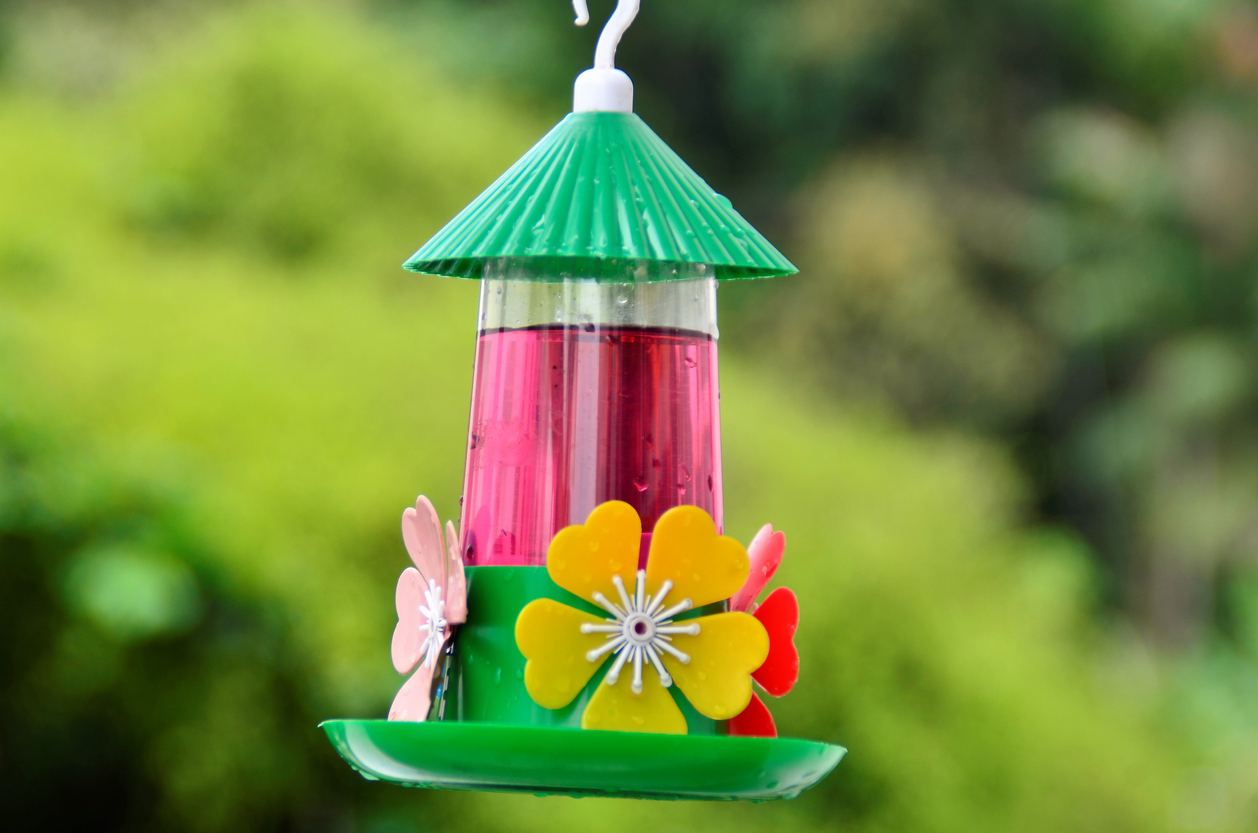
(598, 196)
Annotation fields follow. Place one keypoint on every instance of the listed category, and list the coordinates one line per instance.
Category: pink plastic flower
(431, 600)
(765, 553)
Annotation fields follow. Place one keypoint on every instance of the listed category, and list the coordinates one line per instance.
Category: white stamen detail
(681, 656)
(636, 686)
(654, 606)
(434, 624)
(611, 608)
(680, 607)
(590, 627)
(614, 674)
(624, 597)
(607, 646)
(640, 632)
(691, 630)
(666, 679)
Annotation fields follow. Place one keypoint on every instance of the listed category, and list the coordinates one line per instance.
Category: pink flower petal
(765, 554)
(414, 698)
(456, 584)
(408, 639)
(421, 530)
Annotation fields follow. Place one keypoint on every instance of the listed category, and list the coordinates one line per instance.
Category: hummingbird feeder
(588, 629)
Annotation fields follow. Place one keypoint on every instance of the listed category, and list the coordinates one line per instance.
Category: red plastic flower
(779, 613)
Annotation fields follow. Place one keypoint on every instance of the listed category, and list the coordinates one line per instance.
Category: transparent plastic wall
(587, 391)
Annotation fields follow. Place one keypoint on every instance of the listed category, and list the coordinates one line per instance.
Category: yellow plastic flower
(709, 657)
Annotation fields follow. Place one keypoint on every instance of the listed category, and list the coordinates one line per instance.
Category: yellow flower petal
(717, 680)
(703, 566)
(549, 635)
(616, 708)
(583, 559)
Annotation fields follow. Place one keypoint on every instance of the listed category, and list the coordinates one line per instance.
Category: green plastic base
(562, 761)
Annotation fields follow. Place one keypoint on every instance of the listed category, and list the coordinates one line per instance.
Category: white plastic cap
(605, 89)
(602, 91)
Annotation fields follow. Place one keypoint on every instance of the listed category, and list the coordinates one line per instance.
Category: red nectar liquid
(566, 417)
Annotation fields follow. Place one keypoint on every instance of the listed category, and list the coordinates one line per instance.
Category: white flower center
(641, 628)
(434, 625)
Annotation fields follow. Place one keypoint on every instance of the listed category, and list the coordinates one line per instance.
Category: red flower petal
(754, 721)
(780, 616)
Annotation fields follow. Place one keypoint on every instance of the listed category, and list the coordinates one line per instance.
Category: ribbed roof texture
(596, 197)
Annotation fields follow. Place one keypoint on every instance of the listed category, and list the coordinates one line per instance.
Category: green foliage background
(218, 389)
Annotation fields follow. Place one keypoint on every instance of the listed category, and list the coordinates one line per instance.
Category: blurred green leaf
(133, 594)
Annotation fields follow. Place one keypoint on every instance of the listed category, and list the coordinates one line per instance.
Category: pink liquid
(565, 418)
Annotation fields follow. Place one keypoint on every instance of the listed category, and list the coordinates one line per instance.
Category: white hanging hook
(605, 88)
(613, 30)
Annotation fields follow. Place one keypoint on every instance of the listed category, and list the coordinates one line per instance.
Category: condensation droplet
(639, 483)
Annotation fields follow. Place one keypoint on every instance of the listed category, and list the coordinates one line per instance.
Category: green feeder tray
(579, 762)
(494, 737)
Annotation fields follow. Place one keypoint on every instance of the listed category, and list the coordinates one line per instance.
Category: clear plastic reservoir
(587, 391)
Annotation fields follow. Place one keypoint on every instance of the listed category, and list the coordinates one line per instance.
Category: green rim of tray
(562, 761)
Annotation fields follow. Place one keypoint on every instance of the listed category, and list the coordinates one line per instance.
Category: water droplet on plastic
(690, 362)
(639, 483)
(709, 482)
(685, 473)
